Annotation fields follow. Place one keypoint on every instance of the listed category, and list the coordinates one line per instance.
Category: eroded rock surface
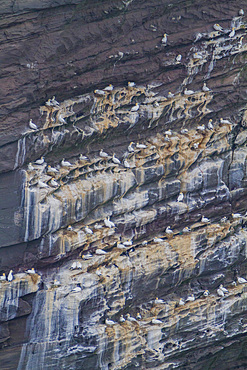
(163, 159)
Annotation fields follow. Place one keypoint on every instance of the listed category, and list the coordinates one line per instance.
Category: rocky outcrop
(125, 194)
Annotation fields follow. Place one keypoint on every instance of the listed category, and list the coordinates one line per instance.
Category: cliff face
(171, 178)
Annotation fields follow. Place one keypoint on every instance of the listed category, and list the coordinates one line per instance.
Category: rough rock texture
(70, 48)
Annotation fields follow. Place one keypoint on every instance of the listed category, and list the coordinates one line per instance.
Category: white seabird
(97, 226)
(206, 293)
(87, 256)
(156, 321)
(197, 56)
(77, 289)
(241, 12)
(32, 125)
(168, 132)
(190, 298)
(220, 292)
(121, 246)
(56, 283)
(236, 215)
(109, 322)
(51, 169)
(169, 231)
(54, 102)
(210, 125)
(138, 316)
(205, 88)
(73, 266)
(108, 223)
(122, 319)
(40, 161)
(131, 84)
(70, 228)
(181, 302)
(83, 158)
(225, 121)
(10, 276)
(205, 219)
(31, 272)
(131, 319)
(109, 88)
(3, 277)
(126, 163)
(100, 252)
(103, 154)
(170, 95)
(201, 128)
(88, 230)
(232, 33)
(241, 280)
(128, 242)
(115, 160)
(61, 119)
(180, 197)
(224, 290)
(157, 240)
(130, 147)
(184, 131)
(99, 92)
(164, 39)
(66, 163)
(188, 92)
(178, 58)
(156, 104)
(141, 146)
(135, 108)
(186, 230)
(54, 183)
(217, 27)
(158, 301)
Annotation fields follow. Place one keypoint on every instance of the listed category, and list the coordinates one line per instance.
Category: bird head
(165, 34)
(4, 274)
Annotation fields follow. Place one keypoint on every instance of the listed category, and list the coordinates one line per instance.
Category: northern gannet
(138, 316)
(73, 266)
(61, 119)
(180, 197)
(135, 108)
(225, 121)
(197, 56)
(205, 219)
(109, 322)
(130, 147)
(184, 131)
(70, 228)
(40, 161)
(66, 163)
(131, 84)
(121, 246)
(87, 256)
(122, 319)
(88, 230)
(169, 231)
(232, 33)
(128, 242)
(190, 298)
(115, 160)
(195, 145)
(3, 277)
(220, 293)
(109, 88)
(186, 230)
(241, 280)
(126, 163)
(217, 27)
(32, 125)
(157, 240)
(181, 302)
(54, 183)
(141, 146)
(164, 39)
(56, 283)
(168, 132)
(188, 92)
(99, 92)
(98, 272)
(178, 58)
(223, 219)
(97, 226)
(108, 223)
(158, 301)
(54, 102)
(51, 169)
(210, 125)
(77, 289)
(10, 275)
(42, 184)
(83, 158)
(103, 154)
(236, 215)
(224, 290)
(170, 95)
(201, 128)
(206, 293)
(156, 321)
(156, 104)
(241, 12)
(100, 252)
(31, 272)
(205, 88)
(129, 318)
